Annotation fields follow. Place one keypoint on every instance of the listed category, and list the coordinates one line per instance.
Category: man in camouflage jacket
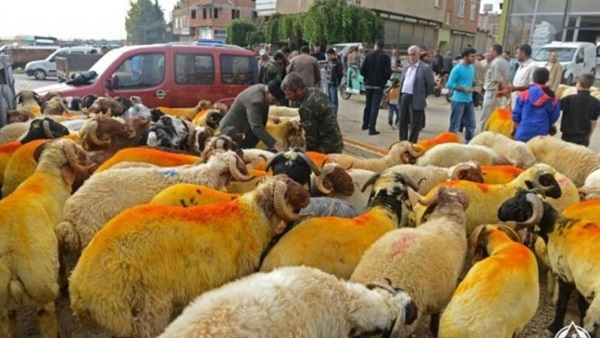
(321, 130)
(273, 70)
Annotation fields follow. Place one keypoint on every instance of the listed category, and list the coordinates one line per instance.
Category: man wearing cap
(321, 130)
(249, 112)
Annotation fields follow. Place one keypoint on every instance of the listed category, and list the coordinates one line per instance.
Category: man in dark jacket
(321, 129)
(438, 62)
(335, 73)
(376, 71)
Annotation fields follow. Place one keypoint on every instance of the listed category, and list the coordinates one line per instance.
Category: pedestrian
(393, 96)
(287, 54)
(536, 109)
(512, 65)
(249, 112)
(495, 82)
(416, 84)
(556, 71)
(351, 57)
(376, 71)
(334, 77)
(321, 130)
(318, 54)
(438, 62)
(273, 70)
(263, 59)
(580, 112)
(524, 74)
(447, 63)
(306, 66)
(395, 61)
(461, 82)
(480, 68)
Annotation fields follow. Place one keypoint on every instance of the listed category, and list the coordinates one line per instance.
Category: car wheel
(39, 74)
(343, 93)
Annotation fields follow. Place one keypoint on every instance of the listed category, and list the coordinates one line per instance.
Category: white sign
(572, 331)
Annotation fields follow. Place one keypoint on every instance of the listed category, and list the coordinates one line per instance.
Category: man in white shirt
(524, 75)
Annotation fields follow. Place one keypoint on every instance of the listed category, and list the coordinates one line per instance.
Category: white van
(575, 57)
(40, 69)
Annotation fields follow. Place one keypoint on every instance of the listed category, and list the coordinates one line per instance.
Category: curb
(362, 149)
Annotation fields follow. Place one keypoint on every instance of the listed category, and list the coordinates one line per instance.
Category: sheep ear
(68, 174)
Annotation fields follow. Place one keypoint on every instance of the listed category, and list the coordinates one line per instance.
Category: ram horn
(310, 162)
(282, 209)
(71, 155)
(319, 180)
(510, 232)
(542, 189)
(428, 200)
(235, 171)
(406, 181)
(46, 127)
(93, 137)
(415, 151)
(385, 286)
(458, 169)
(537, 208)
(370, 181)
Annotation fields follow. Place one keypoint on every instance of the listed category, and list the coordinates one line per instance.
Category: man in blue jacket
(461, 82)
(536, 109)
(376, 71)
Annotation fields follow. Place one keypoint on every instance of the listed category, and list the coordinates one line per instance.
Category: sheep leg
(564, 292)
(63, 274)
(153, 317)
(591, 321)
(8, 323)
(434, 323)
(48, 322)
(582, 306)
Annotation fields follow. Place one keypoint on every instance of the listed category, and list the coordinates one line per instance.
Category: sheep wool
(402, 152)
(296, 302)
(444, 137)
(499, 294)
(500, 121)
(449, 154)
(106, 194)
(425, 261)
(148, 155)
(151, 260)
(6, 152)
(499, 174)
(515, 151)
(28, 245)
(20, 166)
(591, 186)
(187, 195)
(588, 210)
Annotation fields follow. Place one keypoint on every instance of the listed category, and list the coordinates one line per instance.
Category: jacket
(535, 111)
(321, 130)
(376, 69)
(556, 74)
(423, 85)
(307, 67)
(335, 72)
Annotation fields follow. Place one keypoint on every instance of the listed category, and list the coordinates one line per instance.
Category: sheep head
(469, 171)
(526, 208)
(213, 118)
(408, 309)
(221, 107)
(73, 103)
(19, 115)
(280, 197)
(443, 197)
(51, 95)
(541, 177)
(218, 143)
(478, 241)
(389, 189)
(229, 165)
(334, 178)
(124, 102)
(74, 163)
(202, 105)
(405, 152)
(169, 132)
(295, 164)
(26, 96)
(105, 132)
(106, 104)
(88, 101)
(45, 128)
(54, 106)
(198, 140)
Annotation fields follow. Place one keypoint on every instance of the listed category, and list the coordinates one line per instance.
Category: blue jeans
(465, 112)
(374, 96)
(332, 90)
(393, 110)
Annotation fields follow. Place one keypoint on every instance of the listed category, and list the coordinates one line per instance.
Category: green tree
(238, 32)
(145, 23)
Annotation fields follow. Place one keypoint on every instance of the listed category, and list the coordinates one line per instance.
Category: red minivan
(170, 75)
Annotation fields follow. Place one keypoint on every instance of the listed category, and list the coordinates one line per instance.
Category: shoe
(374, 132)
(365, 128)
(392, 126)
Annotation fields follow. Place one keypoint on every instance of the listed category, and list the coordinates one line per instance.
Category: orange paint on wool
(445, 137)
(399, 246)
(9, 148)
(317, 157)
(589, 210)
(149, 155)
(500, 174)
(484, 188)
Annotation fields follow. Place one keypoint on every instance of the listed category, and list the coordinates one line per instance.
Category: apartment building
(462, 16)
(208, 19)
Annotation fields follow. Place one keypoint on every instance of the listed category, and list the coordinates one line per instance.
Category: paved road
(350, 118)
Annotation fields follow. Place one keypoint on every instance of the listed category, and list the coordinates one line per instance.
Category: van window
(141, 71)
(564, 54)
(580, 56)
(194, 69)
(238, 69)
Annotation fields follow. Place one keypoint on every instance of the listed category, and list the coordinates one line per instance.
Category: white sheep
(591, 186)
(299, 302)
(572, 160)
(107, 193)
(425, 261)
(449, 154)
(515, 151)
(29, 264)
(400, 153)
(257, 158)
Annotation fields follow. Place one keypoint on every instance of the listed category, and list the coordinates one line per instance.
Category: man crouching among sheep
(321, 130)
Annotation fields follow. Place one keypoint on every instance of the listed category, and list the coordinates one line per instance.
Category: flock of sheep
(157, 224)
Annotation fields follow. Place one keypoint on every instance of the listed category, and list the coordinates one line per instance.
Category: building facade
(208, 19)
(538, 22)
(462, 17)
(488, 29)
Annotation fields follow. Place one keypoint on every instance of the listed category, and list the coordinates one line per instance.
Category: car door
(142, 75)
(579, 62)
(194, 78)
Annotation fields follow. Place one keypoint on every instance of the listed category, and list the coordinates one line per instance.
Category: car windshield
(564, 54)
(105, 61)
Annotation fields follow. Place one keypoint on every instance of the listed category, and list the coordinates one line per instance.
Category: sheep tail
(68, 238)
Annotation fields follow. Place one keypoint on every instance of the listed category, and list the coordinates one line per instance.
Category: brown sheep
(106, 104)
(19, 115)
(29, 100)
(54, 106)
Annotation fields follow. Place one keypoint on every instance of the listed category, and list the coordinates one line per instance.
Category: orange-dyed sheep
(499, 174)
(187, 195)
(148, 155)
(500, 121)
(445, 137)
(589, 210)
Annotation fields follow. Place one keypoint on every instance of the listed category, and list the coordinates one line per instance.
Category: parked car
(172, 75)
(575, 57)
(40, 69)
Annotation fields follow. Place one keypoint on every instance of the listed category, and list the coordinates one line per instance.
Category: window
(495, 30)
(141, 71)
(437, 3)
(237, 69)
(204, 13)
(216, 11)
(447, 18)
(194, 69)
(580, 56)
(461, 9)
(472, 12)
(235, 13)
(193, 13)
